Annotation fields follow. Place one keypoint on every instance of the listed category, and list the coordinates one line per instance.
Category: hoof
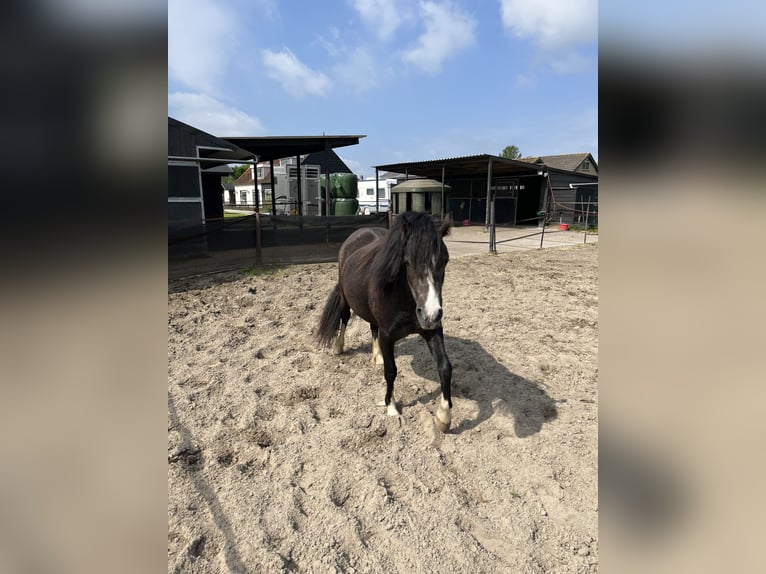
(444, 427)
(443, 416)
(391, 410)
(336, 351)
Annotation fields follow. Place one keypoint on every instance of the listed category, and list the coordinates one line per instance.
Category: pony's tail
(330, 320)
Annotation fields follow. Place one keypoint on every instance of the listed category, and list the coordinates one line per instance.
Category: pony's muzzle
(429, 320)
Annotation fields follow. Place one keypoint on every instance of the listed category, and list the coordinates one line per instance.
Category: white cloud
(330, 42)
(212, 116)
(359, 70)
(570, 63)
(448, 30)
(198, 43)
(296, 78)
(383, 16)
(552, 23)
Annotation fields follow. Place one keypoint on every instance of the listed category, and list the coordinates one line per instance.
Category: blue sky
(421, 79)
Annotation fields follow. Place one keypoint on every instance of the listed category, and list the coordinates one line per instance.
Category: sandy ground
(279, 460)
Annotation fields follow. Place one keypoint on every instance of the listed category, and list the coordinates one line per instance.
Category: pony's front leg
(389, 372)
(435, 340)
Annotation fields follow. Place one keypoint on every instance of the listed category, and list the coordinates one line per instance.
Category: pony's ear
(446, 225)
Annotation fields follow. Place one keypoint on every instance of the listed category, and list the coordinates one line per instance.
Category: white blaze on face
(432, 306)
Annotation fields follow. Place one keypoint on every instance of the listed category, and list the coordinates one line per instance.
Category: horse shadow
(480, 377)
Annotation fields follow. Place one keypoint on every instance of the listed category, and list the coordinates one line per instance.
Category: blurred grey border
(83, 415)
(682, 146)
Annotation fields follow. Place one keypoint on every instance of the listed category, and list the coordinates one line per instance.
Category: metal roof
(187, 141)
(465, 166)
(278, 147)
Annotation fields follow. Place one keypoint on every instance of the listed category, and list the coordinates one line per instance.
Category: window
(586, 165)
(382, 192)
(243, 197)
(260, 172)
(370, 191)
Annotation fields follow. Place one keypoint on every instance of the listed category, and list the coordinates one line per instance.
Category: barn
(196, 162)
(520, 188)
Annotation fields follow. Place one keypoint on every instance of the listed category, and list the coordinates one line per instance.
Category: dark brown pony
(393, 280)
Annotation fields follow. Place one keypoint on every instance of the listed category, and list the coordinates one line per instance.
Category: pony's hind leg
(377, 356)
(340, 340)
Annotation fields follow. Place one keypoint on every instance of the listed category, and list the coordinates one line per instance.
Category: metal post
(256, 193)
(273, 188)
(544, 186)
(377, 193)
(489, 192)
(300, 187)
(542, 235)
(492, 228)
(258, 252)
(587, 213)
(441, 215)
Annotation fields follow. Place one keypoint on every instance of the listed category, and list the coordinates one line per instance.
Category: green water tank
(343, 185)
(345, 206)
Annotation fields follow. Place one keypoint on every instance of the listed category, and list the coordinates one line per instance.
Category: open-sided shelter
(521, 189)
(270, 148)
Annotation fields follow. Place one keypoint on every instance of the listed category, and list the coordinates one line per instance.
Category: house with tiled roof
(253, 187)
(574, 162)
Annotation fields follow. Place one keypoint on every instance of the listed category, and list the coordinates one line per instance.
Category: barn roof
(278, 147)
(189, 142)
(472, 166)
(465, 166)
(328, 160)
(566, 162)
(245, 178)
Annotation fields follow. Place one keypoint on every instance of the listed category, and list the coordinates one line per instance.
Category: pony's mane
(423, 236)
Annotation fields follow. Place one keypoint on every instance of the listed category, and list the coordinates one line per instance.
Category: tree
(510, 152)
(236, 171)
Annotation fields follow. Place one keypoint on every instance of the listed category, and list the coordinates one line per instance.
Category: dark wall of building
(183, 181)
(569, 205)
(184, 216)
(468, 201)
(212, 196)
